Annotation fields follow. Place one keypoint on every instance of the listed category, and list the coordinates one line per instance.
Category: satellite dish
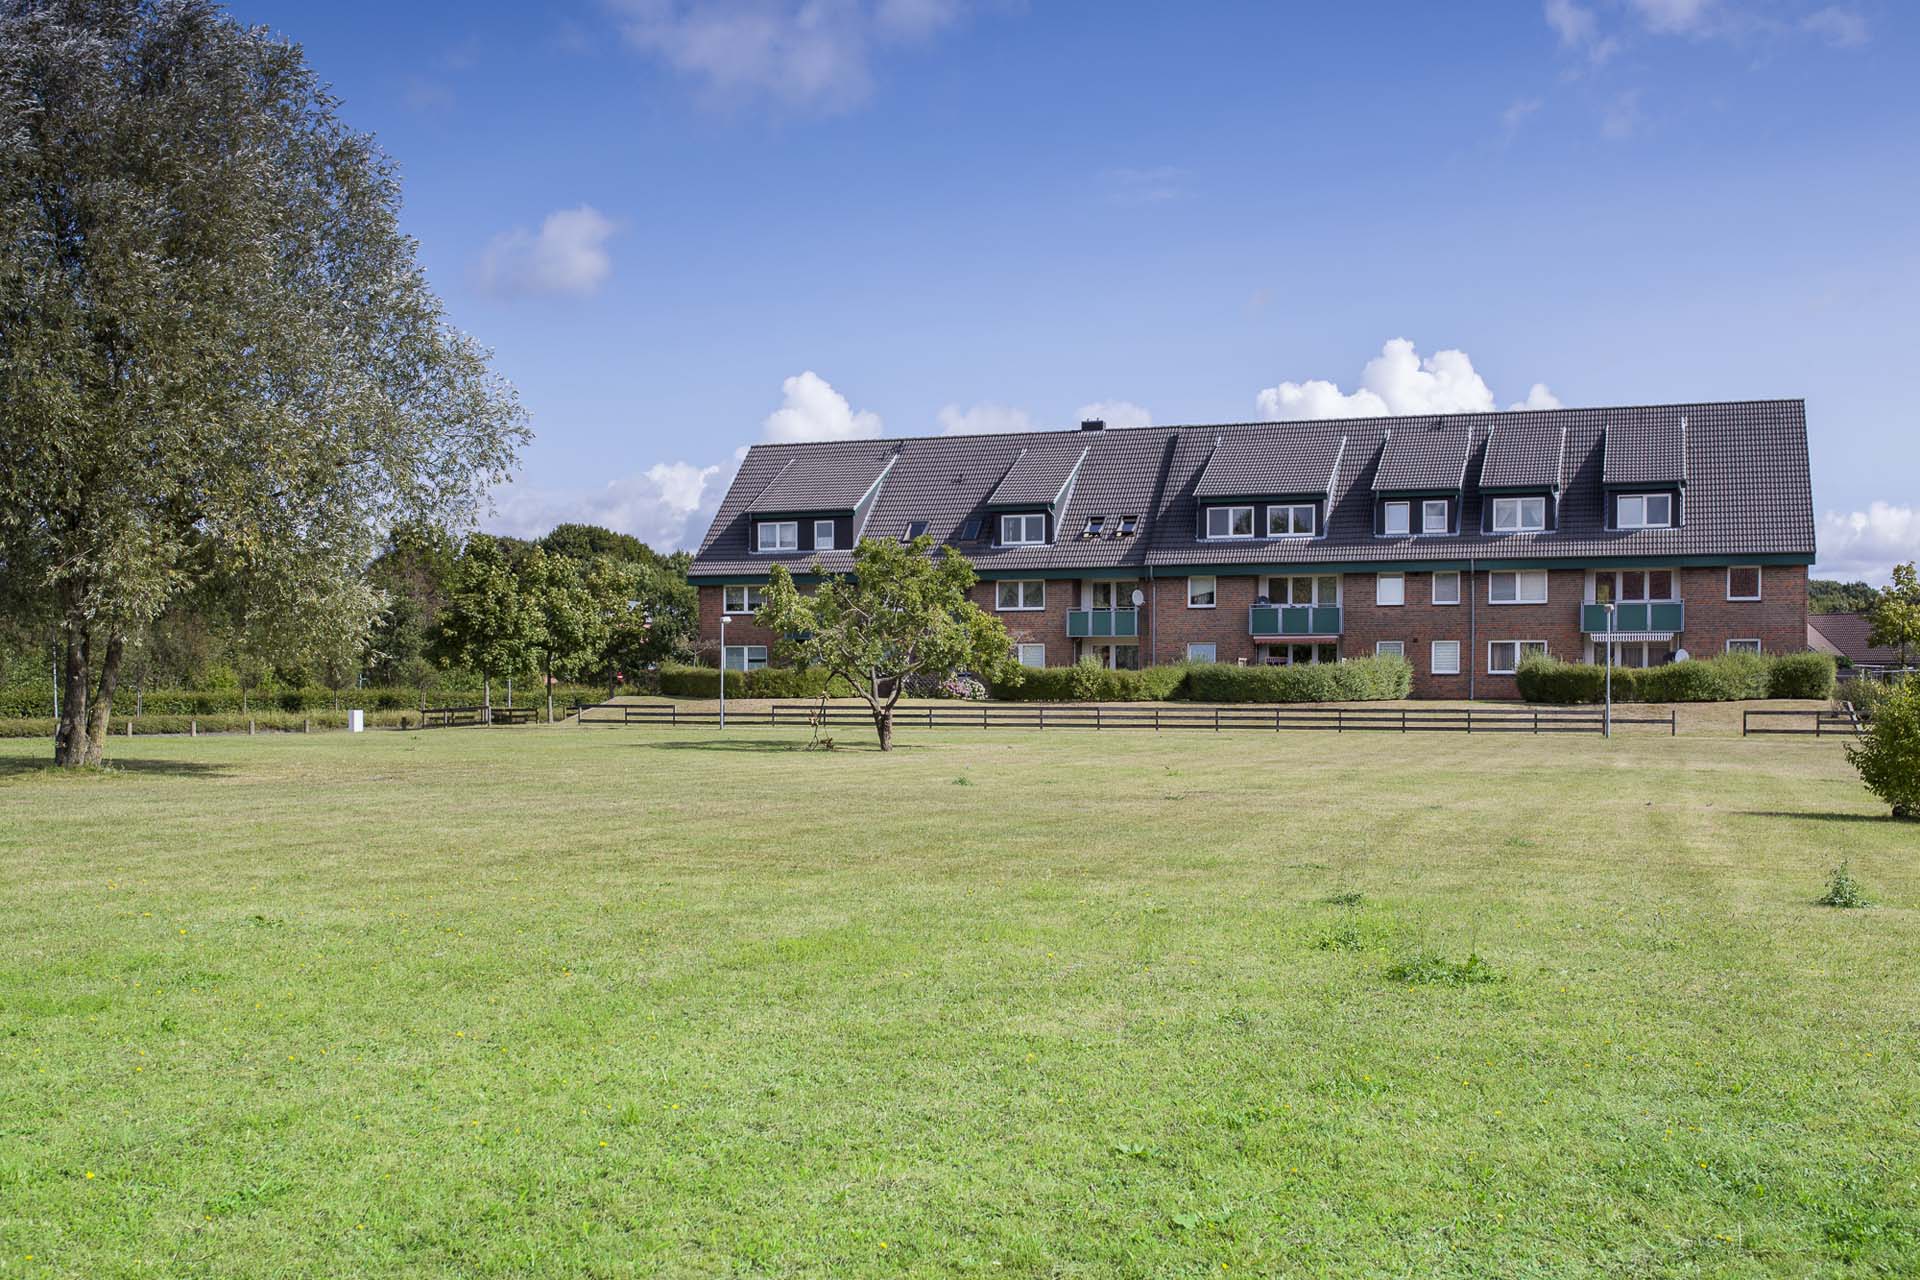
(1679, 655)
(1139, 597)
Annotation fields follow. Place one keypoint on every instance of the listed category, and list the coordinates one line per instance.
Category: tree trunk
(549, 675)
(883, 723)
(100, 712)
(70, 737)
(486, 698)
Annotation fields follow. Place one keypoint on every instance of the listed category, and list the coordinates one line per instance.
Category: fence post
(1536, 722)
(306, 726)
(129, 726)
(193, 728)
(1096, 716)
(1817, 720)
(1673, 722)
(251, 729)
(1043, 717)
(1276, 719)
(1403, 719)
(1156, 719)
(1339, 719)
(1469, 720)
(1216, 719)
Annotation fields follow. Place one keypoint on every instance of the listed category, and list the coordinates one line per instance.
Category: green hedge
(1356, 680)
(1733, 677)
(769, 682)
(265, 721)
(37, 700)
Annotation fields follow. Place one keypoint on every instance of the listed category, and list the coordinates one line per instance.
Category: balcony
(1103, 624)
(1294, 620)
(1658, 617)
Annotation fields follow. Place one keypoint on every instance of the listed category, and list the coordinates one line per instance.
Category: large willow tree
(220, 366)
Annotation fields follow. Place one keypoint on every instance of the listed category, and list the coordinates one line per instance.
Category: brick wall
(1046, 626)
(1778, 620)
(742, 630)
(1224, 626)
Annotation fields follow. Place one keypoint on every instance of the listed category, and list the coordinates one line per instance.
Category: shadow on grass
(761, 744)
(29, 767)
(1821, 817)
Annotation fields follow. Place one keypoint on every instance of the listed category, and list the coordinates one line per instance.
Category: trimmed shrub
(1544, 679)
(1356, 680)
(1803, 675)
(37, 700)
(768, 682)
(1888, 755)
(1730, 677)
(1088, 681)
(265, 721)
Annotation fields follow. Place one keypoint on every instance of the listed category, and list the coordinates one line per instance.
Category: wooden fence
(1823, 723)
(456, 717)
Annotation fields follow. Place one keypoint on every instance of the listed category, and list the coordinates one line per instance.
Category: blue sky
(688, 225)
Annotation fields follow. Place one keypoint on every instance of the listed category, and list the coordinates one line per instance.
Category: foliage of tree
(219, 360)
(490, 623)
(411, 574)
(593, 542)
(572, 608)
(1888, 755)
(902, 612)
(654, 616)
(1894, 619)
(1824, 595)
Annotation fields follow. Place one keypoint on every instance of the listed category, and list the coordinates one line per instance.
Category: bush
(1088, 681)
(1803, 675)
(1544, 679)
(1730, 677)
(1355, 680)
(1888, 755)
(1842, 889)
(768, 682)
(37, 700)
(265, 721)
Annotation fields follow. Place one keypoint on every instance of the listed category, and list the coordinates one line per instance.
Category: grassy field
(567, 1002)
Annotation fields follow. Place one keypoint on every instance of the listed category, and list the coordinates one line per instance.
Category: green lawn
(568, 1002)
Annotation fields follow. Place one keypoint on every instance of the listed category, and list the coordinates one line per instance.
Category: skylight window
(970, 531)
(1095, 524)
(914, 529)
(1127, 525)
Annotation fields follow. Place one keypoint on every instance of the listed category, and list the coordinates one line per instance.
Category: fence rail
(1818, 724)
(458, 717)
(1270, 719)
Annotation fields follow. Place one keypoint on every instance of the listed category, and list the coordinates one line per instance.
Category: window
(1633, 586)
(1390, 588)
(1519, 515)
(1390, 649)
(1743, 646)
(1015, 594)
(1395, 519)
(970, 531)
(823, 535)
(1528, 586)
(1322, 590)
(1200, 593)
(779, 535)
(1290, 522)
(1743, 582)
(1433, 516)
(913, 530)
(742, 599)
(1128, 524)
(1504, 656)
(1113, 595)
(746, 657)
(1644, 511)
(1094, 525)
(1446, 587)
(1229, 522)
(1031, 655)
(1023, 531)
(1201, 653)
(1446, 657)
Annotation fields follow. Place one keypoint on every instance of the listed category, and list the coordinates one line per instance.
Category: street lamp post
(724, 620)
(1607, 728)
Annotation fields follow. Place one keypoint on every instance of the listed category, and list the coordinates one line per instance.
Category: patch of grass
(1345, 898)
(1420, 965)
(631, 1002)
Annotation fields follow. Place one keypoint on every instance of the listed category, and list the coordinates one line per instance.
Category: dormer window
(1519, 515)
(1645, 511)
(823, 535)
(1094, 526)
(1023, 531)
(779, 535)
(1434, 516)
(1293, 521)
(1229, 522)
(1397, 519)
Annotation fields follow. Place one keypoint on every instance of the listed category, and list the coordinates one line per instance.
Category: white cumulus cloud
(982, 419)
(1841, 28)
(1116, 413)
(810, 409)
(1397, 381)
(1675, 16)
(1867, 544)
(668, 506)
(566, 257)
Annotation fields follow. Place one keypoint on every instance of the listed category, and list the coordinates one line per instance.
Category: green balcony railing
(1641, 615)
(1294, 620)
(1103, 624)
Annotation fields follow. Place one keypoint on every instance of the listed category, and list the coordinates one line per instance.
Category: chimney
(1093, 424)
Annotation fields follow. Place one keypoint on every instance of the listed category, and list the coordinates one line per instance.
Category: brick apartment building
(1461, 542)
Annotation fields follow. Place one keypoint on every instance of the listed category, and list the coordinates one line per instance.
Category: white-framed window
(1433, 516)
(1023, 530)
(1743, 646)
(1396, 519)
(779, 535)
(746, 657)
(1323, 589)
(1111, 594)
(1030, 655)
(1291, 521)
(1446, 587)
(1517, 586)
(1446, 657)
(1094, 526)
(1504, 656)
(742, 599)
(1201, 593)
(1390, 588)
(1519, 515)
(1631, 586)
(1390, 648)
(823, 535)
(1201, 653)
(1743, 582)
(1644, 510)
(1015, 595)
(1229, 522)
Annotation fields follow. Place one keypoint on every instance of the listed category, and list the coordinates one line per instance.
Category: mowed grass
(545, 1002)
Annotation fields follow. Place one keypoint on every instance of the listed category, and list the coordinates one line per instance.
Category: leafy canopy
(1894, 619)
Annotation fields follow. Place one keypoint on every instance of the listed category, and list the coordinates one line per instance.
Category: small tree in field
(574, 622)
(490, 624)
(1888, 756)
(902, 612)
(1894, 618)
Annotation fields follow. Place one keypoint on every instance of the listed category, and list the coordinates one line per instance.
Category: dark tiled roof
(1424, 455)
(1646, 447)
(1271, 462)
(1039, 476)
(1526, 453)
(822, 481)
(1749, 492)
(1847, 633)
